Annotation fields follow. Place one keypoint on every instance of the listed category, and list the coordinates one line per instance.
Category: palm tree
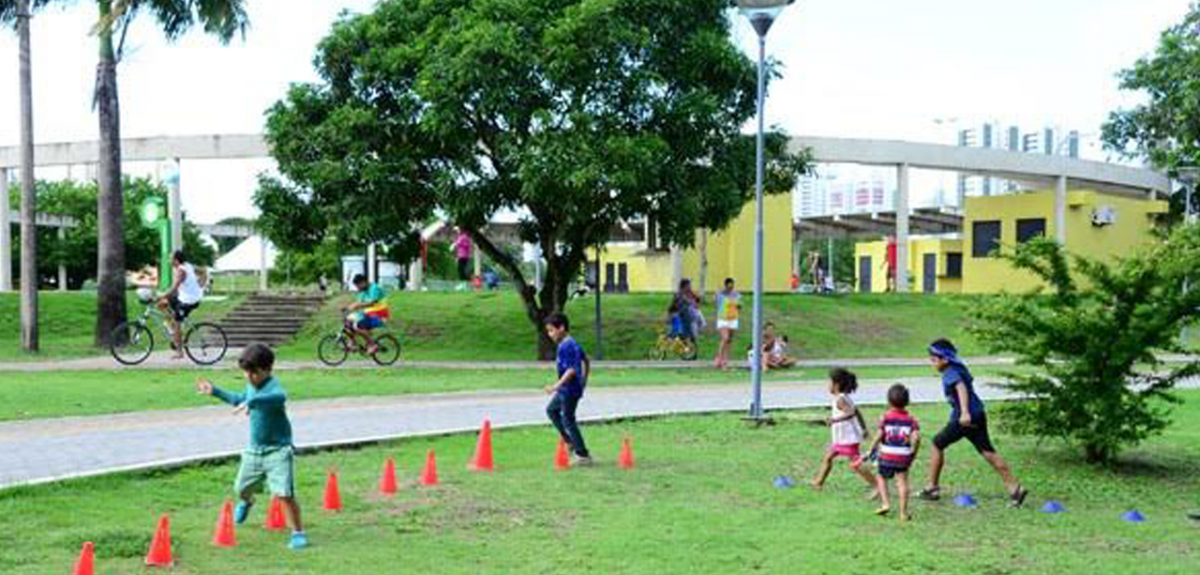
(29, 274)
(222, 18)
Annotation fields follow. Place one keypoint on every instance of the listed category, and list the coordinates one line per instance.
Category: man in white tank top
(183, 297)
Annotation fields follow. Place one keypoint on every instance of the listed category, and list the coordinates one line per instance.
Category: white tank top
(190, 291)
(846, 432)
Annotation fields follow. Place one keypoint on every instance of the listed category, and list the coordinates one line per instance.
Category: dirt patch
(423, 331)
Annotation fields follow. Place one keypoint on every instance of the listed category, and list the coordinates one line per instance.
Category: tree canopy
(577, 115)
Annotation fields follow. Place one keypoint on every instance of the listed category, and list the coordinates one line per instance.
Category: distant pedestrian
(462, 253)
(573, 368)
(686, 304)
(897, 444)
(270, 457)
(729, 306)
(968, 420)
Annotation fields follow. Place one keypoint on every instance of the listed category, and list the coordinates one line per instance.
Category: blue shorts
(369, 322)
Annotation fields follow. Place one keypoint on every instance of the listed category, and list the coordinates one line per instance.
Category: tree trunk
(110, 208)
(702, 250)
(29, 272)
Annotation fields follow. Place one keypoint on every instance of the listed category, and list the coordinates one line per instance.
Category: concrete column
(415, 275)
(175, 206)
(62, 269)
(5, 234)
(262, 264)
(372, 266)
(478, 262)
(1060, 211)
(902, 228)
(676, 266)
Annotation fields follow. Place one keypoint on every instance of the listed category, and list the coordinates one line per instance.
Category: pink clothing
(849, 450)
(462, 246)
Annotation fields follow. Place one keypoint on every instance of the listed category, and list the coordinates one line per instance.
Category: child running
(270, 455)
(968, 420)
(898, 441)
(847, 428)
(573, 367)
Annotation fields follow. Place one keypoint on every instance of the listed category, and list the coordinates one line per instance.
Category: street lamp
(1189, 175)
(154, 214)
(762, 14)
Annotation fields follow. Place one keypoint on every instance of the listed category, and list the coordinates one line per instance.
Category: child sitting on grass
(846, 425)
(270, 455)
(898, 441)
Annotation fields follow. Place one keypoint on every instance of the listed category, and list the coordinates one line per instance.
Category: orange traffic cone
(333, 497)
(625, 461)
(85, 565)
(275, 519)
(160, 547)
(224, 534)
(387, 483)
(562, 460)
(483, 450)
(429, 474)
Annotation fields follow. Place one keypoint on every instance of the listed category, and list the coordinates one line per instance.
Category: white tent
(248, 256)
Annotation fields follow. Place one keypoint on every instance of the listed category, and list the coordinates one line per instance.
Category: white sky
(853, 68)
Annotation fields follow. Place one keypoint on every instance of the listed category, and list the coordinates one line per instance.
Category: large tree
(575, 114)
(222, 18)
(1165, 129)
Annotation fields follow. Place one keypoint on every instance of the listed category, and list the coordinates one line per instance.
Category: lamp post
(762, 14)
(154, 215)
(1189, 175)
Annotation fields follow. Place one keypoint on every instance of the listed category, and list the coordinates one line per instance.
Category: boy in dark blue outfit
(968, 420)
(572, 368)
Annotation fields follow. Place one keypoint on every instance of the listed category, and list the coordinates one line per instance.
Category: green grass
(700, 501)
(493, 326)
(67, 323)
(57, 394)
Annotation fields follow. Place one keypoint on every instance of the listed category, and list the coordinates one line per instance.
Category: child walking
(897, 444)
(270, 455)
(573, 367)
(968, 420)
(846, 425)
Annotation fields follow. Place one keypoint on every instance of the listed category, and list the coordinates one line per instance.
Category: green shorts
(277, 465)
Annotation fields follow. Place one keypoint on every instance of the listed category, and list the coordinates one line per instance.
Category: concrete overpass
(1034, 169)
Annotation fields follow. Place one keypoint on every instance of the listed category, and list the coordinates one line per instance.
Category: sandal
(1017, 498)
(882, 511)
(930, 493)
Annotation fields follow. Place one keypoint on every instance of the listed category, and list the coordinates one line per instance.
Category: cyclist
(181, 300)
(369, 311)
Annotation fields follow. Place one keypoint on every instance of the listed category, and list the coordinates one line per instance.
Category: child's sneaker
(298, 541)
(582, 461)
(242, 511)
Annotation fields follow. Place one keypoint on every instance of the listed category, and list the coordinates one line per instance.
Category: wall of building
(918, 248)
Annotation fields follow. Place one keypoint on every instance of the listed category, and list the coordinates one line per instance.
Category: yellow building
(1098, 226)
(935, 265)
(645, 267)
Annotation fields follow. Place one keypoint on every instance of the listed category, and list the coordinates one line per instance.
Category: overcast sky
(854, 68)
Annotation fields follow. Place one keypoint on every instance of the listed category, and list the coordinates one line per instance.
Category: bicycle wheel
(205, 343)
(332, 350)
(686, 349)
(389, 349)
(657, 351)
(131, 343)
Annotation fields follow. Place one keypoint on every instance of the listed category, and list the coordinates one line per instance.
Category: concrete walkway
(41, 451)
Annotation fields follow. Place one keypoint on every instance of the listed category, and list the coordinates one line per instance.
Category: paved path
(45, 450)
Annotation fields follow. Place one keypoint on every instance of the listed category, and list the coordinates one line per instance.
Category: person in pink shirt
(462, 252)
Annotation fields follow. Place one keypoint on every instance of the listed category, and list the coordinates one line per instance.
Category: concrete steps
(269, 318)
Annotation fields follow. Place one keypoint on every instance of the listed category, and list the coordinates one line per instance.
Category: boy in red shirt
(898, 440)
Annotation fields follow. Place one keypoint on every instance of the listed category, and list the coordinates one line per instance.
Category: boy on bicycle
(369, 311)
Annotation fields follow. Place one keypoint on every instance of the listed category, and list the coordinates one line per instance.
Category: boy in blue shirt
(270, 455)
(968, 420)
(572, 367)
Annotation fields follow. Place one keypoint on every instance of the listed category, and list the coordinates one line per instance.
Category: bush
(1098, 342)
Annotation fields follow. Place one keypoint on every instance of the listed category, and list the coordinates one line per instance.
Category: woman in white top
(183, 298)
(846, 425)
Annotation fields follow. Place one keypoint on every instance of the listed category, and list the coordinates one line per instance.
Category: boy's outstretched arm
(267, 399)
(205, 387)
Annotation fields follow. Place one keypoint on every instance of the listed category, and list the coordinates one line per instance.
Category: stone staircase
(269, 318)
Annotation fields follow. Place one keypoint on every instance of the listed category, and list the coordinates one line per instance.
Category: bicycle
(673, 342)
(205, 343)
(335, 348)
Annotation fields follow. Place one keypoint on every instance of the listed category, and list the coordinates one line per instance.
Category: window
(953, 265)
(985, 238)
(1029, 229)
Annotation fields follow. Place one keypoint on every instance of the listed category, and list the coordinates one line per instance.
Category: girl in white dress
(846, 424)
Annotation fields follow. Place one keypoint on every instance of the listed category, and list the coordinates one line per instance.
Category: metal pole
(62, 268)
(175, 205)
(829, 267)
(756, 407)
(5, 233)
(599, 320)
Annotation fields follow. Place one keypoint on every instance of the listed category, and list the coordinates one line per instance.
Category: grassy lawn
(37, 395)
(700, 501)
(492, 325)
(68, 322)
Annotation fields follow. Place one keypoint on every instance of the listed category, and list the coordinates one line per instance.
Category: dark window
(985, 238)
(953, 265)
(1029, 229)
